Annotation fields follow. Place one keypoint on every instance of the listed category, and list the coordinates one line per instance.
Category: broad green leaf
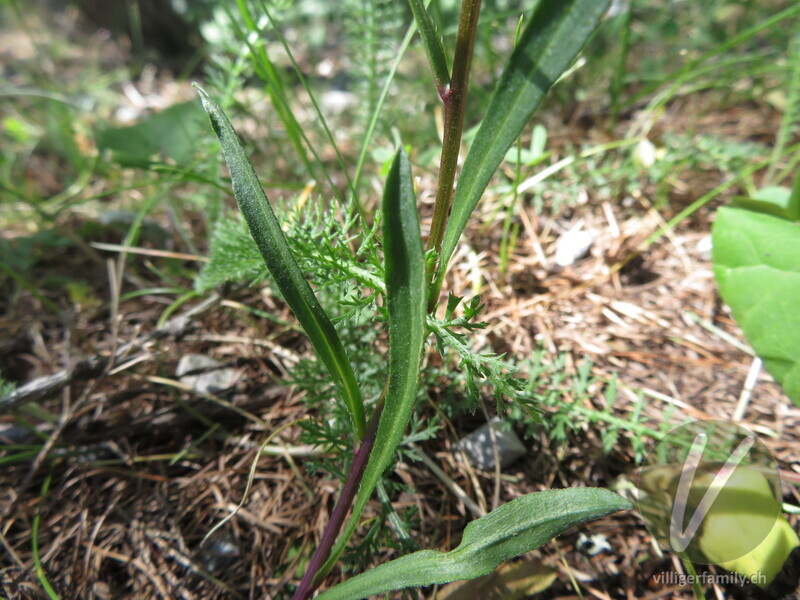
(508, 531)
(553, 37)
(757, 265)
(171, 133)
(271, 242)
(405, 301)
(774, 200)
(432, 42)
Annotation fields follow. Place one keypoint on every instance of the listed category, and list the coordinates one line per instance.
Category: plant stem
(454, 98)
(354, 476)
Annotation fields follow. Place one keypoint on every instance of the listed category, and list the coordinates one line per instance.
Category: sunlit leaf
(757, 266)
(271, 242)
(555, 34)
(508, 531)
(405, 301)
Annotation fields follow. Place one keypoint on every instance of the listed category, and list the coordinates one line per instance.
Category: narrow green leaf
(432, 42)
(756, 259)
(553, 37)
(404, 260)
(271, 242)
(405, 301)
(508, 531)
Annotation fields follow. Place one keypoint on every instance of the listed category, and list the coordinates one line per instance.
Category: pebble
(704, 247)
(11, 433)
(592, 545)
(218, 554)
(572, 246)
(645, 154)
(337, 102)
(213, 380)
(478, 445)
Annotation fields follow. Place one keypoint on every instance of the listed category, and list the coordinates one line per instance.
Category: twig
(93, 366)
(451, 485)
(747, 390)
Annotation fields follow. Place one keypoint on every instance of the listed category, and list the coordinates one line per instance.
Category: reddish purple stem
(307, 584)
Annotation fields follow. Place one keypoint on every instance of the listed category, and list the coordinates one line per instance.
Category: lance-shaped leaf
(271, 242)
(432, 42)
(553, 37)
(508, 531)
(405, 301)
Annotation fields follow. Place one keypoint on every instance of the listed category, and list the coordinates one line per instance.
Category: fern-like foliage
(571, 400)
(342, 259)
(234, 257)
(481, 368)
(334, 246)
(6, 387)
(323, 244)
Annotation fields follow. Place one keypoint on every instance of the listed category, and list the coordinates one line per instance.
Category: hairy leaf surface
(271, 242)
(508, 531)
(404, 260)
(432, 42)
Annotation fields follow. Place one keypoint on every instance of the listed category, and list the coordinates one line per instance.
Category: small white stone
(572, 246)
(212, 380)
(127, 114)
(337, 101)
(645, 154)
(325, 68)
(704, 247)
(592, 545)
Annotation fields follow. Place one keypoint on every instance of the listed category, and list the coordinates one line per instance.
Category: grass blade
(37, 561)
(276, 89)
(553, 37)
(320, 117)
(508, 531)
(432, 42)
(376, 112)
(269, 238)
(405, 300)
(791, 114)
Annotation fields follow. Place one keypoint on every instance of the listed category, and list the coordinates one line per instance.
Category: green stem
(699, 594)
(37, 561)
(454, 98)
